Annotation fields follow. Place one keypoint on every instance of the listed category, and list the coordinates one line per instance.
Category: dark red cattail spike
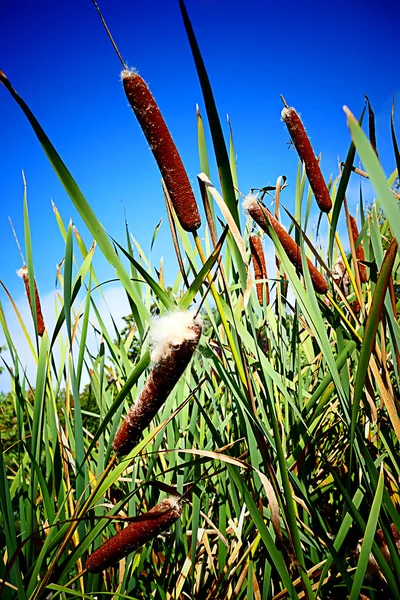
(362, 269)
(260, 269)
(139, 532)
(175, 338)
(23, 272)
(306, 154)
(164, 150)
(264, 218)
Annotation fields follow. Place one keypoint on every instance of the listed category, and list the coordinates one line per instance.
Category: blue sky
(59, 59)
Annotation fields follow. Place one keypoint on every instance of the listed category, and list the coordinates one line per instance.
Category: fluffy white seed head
(286, 113)
(249, 202)
(126, 73)
(170, 331)
(23, 271)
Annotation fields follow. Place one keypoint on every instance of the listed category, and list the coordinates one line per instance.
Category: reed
(362, 269)
(175, 338)
(259, 266)
(264, 218)
(142, 530)
(306, 153)
(23, 273)
(163, 147)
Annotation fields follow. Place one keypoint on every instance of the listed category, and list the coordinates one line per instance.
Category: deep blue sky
(319, 55)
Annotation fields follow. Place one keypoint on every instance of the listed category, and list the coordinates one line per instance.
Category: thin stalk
(225, 324)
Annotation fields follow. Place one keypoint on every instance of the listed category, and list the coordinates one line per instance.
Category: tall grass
(281, 438)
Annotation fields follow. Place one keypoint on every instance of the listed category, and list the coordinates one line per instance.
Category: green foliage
(281, 438)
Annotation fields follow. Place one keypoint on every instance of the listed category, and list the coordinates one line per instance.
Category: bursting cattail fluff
(362, 269)
(264, 218)
(174, 338)
(142, 530)
(163, 147)
(23, 273)
(260, 269)
(306, 154)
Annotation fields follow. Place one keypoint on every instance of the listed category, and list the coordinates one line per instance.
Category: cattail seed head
(175, 338)
(264, 218)
(362, 269)
(23, 273)
(306, 154)
(341, 277)
(163, 147)
(142, 530)
(260, 269)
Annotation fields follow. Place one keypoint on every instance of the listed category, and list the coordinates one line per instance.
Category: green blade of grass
(81, 204)
(217, 135)
(371, 327)
(341, 192)
(368, 540)
(378, 179)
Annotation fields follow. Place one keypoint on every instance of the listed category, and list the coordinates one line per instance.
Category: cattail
(306, 154)
(23, 272)
(362, 269)
(260, 270)
(341, 277)
(264, 218)
(139, 532)
(175, 338)
(163, 147)
(383, 546)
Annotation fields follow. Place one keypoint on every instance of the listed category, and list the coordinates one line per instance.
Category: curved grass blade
(81, 204)
(217, 135)
(378, 179)
(187, 299)
(371, 328)
(68, 281)
(368, 540)
(394, 140)
(157, 289)
(343, 183)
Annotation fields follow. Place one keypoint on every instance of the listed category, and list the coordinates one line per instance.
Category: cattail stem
(142, 530)
(221, 312)
(23, 272)
(179, 338)
(260, 269)
(264, 218)
(306, 154)
(163, 147)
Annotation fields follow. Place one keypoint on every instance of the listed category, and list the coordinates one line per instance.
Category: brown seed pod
(306, 154)
(264, 218)
(260, 269)
(23, 272)
(362, 269)
(163, 147)
(176, 336)
(139, 532)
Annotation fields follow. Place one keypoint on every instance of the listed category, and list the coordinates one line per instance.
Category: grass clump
(268, 459)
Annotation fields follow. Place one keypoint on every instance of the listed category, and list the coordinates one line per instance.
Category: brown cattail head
(260, 270)
(142, 530)
(306, 154)
(163, 147)
(264, 218)
(362, 269)
(175, 338)
(23, 272)
(341, 277)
